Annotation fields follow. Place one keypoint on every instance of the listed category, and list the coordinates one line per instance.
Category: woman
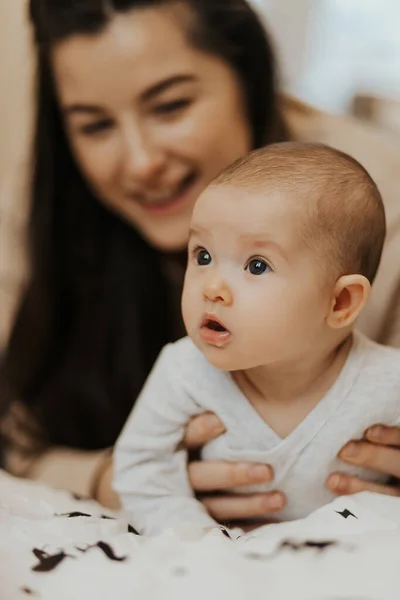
(140, 104)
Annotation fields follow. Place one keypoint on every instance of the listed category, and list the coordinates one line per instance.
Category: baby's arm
(150, 467)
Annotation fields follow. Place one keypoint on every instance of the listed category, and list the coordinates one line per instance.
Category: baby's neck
(285, 394)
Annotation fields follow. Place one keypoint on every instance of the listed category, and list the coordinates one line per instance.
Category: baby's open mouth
(214, 325)
(214, 332)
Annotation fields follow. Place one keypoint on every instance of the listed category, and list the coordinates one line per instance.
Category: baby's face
(254, 293)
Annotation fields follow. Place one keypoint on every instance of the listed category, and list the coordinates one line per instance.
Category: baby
(284, 246)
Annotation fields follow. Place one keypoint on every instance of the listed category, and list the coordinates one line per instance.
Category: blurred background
(340, 56)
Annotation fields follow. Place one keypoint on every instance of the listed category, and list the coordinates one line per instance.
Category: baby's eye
(203, 257)
(257, 266)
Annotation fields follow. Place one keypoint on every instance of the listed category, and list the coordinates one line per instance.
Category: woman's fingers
(383, 435)
(377, 457)
(343, 484)
(202, 429)
(233, 508)
(207, 476)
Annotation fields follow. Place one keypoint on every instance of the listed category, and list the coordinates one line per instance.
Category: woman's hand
(213, 477)
(378, 450)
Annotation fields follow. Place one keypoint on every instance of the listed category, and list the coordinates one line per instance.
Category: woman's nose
(218, 291)
(144, 160)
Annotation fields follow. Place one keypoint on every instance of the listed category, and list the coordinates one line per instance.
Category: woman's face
(151, 120)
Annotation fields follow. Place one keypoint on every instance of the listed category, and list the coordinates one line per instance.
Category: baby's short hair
(346, 217)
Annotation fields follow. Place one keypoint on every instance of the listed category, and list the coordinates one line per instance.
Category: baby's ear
(350, 295)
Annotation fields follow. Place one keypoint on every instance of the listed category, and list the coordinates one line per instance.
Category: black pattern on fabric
(73, 515)
(318, 545)
(131, 529)
(29, 592)
(345, 513)
(106, 549)
(225, 532)
(48, 562)
(294, 546)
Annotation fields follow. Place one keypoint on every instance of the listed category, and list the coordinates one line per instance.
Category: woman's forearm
(73, 470)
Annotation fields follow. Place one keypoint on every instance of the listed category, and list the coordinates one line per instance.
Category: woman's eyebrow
(147, 95)
(82, 108)
(161, 86)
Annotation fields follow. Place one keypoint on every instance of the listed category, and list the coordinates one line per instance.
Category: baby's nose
(217, 290)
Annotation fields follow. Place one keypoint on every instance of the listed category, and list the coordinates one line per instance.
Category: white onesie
(151, 466)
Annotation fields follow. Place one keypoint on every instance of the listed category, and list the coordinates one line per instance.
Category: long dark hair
(95, 312)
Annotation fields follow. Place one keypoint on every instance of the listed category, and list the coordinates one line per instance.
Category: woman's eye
(257, 266)
(93, 128)
(203, 257)
(171, 107)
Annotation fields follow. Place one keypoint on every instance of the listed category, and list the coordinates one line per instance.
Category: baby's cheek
(185, 305)
(263, 324)
(273, 320)
(191, 309)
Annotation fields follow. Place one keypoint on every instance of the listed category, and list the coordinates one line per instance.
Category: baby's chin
(228, 357)
(223, 359)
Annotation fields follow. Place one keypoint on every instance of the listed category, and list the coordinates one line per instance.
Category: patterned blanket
(54, 546)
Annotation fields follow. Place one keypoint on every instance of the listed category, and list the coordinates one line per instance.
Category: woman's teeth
(170, 196)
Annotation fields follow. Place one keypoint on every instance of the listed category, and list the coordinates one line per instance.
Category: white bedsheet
(49, 550)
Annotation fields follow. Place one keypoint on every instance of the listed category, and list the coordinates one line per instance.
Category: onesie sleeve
(150, 464)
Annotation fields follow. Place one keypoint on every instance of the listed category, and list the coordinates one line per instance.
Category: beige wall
(15, 132)
(289, 22)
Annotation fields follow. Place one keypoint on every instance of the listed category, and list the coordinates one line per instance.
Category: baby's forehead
(252, 212)
(259, 202)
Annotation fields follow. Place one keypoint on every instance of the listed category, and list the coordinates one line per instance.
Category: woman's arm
(23, 455)
(79, 472)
